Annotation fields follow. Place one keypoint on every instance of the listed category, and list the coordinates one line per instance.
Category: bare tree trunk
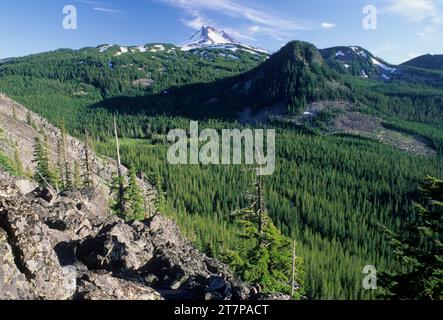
(14, 112)
(145, 202)
(121, 189)
(87, 181)
(119, 170)
(260, 204)
(293, 269)
(60, 164)
(65, 156)
(48, 185)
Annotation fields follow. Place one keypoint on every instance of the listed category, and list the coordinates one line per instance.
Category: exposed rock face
(13, 283)
(104, 286)
(34, 254)
(154, 252)
(69, 247)
(118, 247)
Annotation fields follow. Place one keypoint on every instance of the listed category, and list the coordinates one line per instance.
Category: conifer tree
(134, 198)
(118, 199)
(28, 118)
(42, 175)
(63, 143)
(265, 256)
(420, 250)
(160, 199)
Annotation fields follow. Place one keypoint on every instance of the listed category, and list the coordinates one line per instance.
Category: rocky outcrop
(67, 246)
(154, 252)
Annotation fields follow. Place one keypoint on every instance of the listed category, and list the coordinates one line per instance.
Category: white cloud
(239, 35)
(328, 25)
(438, 20)
(254, 29)
(99, 6)
(383, 48)
(414, 10)
(427, 32)
(196, 20)
(264, 21)
(428, 13)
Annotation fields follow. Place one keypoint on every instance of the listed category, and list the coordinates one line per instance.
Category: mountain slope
(291, 78)
(116, 70)
(358, 61)
(427, 61)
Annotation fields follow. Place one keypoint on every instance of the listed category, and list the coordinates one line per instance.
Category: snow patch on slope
(104, 48)
(383, 66)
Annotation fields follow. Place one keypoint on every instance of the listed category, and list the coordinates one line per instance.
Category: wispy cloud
(195, 20)
(414, 10)
(101, 6)
(108, 10)
(427, 32)
(427, 13)
(328, 25)
(261, 19)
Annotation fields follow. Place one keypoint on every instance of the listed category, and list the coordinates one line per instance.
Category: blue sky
(405, 28)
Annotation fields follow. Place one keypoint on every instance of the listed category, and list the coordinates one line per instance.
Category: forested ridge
(329, 192)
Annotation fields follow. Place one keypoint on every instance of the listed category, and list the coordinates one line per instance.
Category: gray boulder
(118, 247)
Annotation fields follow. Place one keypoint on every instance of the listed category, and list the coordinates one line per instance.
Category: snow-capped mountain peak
(209, 37)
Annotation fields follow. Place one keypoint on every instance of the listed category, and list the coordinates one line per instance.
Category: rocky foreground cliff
(64, 247)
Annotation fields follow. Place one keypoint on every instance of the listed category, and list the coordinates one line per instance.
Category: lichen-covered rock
(34, 254)
(103, 286)
(165, 231)
(155, 253)
(13, 283)
(25, 186)
(118, 247)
